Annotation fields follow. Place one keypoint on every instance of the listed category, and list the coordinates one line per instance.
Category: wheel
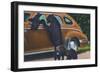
(71, 47)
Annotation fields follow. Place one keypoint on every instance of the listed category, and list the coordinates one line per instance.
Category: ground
(85, 55)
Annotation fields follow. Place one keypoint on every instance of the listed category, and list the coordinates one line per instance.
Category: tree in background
(84, 22)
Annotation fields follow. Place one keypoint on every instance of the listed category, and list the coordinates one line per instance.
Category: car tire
(71, 47)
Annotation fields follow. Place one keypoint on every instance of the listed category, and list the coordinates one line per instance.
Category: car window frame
(58, 19)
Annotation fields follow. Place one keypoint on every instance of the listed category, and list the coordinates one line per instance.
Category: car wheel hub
(72, 45)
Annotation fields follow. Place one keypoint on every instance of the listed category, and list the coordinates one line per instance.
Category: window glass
(26, 16)
(68, 21)
(59, 19)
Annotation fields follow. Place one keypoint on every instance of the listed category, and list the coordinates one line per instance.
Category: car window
(59, 19)
(68, 21)
(26, 16)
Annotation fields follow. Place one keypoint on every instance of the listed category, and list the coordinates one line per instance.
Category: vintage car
(37, 41)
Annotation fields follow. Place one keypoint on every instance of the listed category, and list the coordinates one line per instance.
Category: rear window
(68, 21)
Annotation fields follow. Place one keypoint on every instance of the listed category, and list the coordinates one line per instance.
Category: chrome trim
(83, 41)
(61, 28)
(38, 52)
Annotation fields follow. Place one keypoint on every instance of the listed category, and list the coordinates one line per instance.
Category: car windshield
(26, 16)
